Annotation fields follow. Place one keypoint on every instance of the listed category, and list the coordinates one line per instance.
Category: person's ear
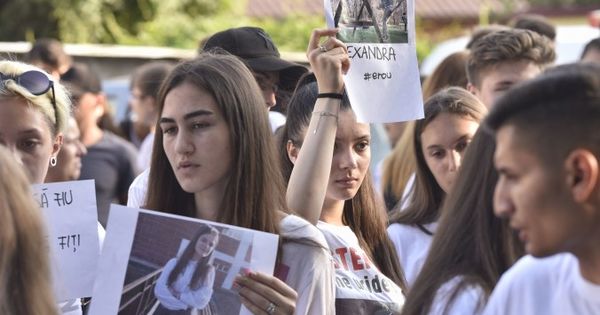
(57, 144)
(292, 151)
(582, 174)
(101, 103)
(472, 88)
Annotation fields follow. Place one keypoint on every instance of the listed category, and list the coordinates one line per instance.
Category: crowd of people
(490, 204)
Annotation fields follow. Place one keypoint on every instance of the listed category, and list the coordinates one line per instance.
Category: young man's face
(267, 81)
(496, 80)
(535, 198)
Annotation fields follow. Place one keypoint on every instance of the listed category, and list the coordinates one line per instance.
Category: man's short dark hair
(536, 23)
(554, 113)
(507, 45)
(594, 44)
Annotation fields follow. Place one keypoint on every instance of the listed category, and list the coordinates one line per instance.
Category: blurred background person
(591, 51)
(68, 160)
(276, 77)
(145, 86)
(49, 55)
(110, 161)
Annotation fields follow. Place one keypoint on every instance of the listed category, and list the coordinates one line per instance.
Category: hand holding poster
(155, 263)
(72, 223)
(383, 83)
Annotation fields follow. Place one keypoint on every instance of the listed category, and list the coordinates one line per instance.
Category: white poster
(72, 226)
(383, 83)
(157, 263)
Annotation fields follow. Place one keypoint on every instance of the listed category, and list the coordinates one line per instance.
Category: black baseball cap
(80, 79)
(256, 48)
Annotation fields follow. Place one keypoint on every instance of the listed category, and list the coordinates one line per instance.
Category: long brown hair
(24, 256)
(255, 190)
(364, 213)
(203, 265)
(427, 195)
(470, 242)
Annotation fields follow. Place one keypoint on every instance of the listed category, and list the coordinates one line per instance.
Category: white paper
(72, 225)
(140, 242)
(383, 83)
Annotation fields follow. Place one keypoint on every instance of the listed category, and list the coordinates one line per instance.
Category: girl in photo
(186, 282)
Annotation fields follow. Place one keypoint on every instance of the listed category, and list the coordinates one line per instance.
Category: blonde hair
(43, 103)
(24, 264)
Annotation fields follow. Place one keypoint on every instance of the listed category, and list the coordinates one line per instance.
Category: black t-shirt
(111, 163)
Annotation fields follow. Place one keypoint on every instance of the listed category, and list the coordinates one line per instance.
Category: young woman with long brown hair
(329, 155)
(471, 247)
(451, 118)
(214, 158)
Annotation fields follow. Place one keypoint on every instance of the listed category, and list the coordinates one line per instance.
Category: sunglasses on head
(36, 82)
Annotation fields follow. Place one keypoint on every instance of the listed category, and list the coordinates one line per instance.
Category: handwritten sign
(72, 225)
(383, 83)
(143, 247)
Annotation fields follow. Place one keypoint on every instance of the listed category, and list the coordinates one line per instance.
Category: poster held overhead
(383, 83)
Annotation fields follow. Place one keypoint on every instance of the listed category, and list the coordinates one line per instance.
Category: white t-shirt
(466, 301)
(276, 120)
(136, 196)
(360, 287)
(145, 153)
(412, 246)
(306, 266)
(551, 285)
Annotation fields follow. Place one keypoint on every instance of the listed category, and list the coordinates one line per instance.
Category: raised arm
(310, 176)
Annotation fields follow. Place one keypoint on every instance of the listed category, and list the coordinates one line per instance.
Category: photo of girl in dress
(185, 285)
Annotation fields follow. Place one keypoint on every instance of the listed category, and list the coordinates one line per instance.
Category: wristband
(337, 96)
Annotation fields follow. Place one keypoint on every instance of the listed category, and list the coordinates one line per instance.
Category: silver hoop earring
(53, 161)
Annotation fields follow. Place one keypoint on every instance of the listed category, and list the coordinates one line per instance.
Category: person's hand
(329, 60)
(264, 294)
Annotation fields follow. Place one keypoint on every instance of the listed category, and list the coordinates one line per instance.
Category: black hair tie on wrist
(338, 96)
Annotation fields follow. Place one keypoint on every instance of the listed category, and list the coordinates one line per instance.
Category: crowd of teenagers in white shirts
(492, 200)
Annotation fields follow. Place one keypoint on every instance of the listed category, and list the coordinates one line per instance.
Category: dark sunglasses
(36, 82)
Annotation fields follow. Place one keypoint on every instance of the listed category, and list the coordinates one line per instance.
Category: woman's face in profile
(206, 244)
(25, 131)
